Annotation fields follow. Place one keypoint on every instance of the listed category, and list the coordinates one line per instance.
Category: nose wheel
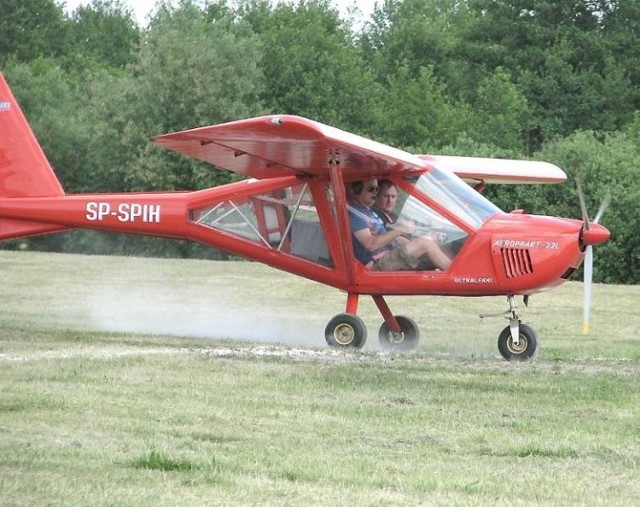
(517, 341)
(521, 349)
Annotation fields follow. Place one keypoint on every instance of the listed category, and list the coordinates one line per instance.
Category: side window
(428, 222)
(285, 220)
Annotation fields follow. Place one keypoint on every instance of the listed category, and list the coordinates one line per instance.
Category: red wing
(272, 146)
(495, 170)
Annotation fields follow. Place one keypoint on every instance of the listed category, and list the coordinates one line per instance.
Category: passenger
(386, 200)
(383, 249)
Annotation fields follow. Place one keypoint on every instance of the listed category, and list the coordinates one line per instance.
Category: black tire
(405, 341)
(346, 330)
(525, 350)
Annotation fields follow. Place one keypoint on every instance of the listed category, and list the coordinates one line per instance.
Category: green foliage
(311, 66)
(189, 72)
(104, 34)
(195, 70)
(420, 114)
(413, 33)
(632, 129)
(566, 57)
(556, 81)
(30, 30)
(500, 112)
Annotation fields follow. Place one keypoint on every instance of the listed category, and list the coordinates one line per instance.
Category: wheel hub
(344, 334)
(396, 338)
(519, 347)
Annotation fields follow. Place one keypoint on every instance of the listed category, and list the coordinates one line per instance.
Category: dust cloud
(244, 302)
(216, 316)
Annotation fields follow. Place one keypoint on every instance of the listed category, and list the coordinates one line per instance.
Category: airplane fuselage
(510, 253)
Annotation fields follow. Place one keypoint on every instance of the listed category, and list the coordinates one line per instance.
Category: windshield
(456, 196)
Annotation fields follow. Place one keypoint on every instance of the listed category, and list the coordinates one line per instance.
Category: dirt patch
(595, 366)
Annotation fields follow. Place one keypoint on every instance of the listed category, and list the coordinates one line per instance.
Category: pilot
(386, 200)
(381, 248)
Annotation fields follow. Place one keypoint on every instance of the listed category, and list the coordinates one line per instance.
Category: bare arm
(372, 242)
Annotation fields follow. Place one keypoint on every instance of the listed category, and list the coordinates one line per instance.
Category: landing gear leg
(514, 321)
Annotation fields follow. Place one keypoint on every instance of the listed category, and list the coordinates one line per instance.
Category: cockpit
(295, 219)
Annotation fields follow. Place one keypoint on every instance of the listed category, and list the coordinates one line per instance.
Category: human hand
(404, 226)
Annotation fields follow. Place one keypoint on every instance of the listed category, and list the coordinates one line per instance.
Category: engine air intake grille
(516, 261)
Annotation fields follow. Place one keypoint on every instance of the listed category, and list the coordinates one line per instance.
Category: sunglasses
(373, 189)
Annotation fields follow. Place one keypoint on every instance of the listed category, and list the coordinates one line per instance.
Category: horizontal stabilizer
(12, 229)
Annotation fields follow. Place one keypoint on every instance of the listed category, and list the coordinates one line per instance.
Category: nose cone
(595, 234)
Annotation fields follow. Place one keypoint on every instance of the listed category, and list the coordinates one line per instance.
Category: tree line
(538, 79)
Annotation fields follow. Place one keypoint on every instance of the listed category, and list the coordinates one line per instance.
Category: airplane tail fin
(24, 168)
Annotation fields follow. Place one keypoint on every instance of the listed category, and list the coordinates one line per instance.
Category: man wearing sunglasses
(386, 249)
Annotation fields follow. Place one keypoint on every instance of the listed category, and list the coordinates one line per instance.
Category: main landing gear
(397, 333)
(517, 341)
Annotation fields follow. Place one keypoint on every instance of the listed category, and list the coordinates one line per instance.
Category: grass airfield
(129, 381)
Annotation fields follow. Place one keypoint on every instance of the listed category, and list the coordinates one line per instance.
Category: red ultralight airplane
(291, 213)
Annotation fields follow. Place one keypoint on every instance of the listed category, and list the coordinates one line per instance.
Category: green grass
(119, 385)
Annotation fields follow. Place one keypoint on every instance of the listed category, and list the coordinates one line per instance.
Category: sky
(141, 8)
